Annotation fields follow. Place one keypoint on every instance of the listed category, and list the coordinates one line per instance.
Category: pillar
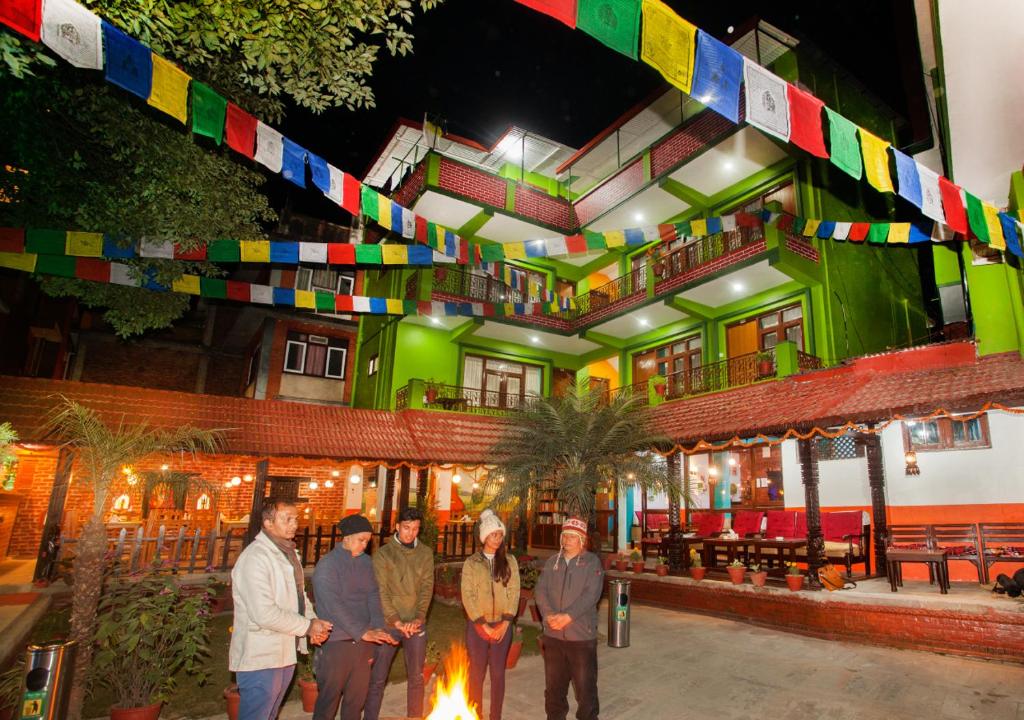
(259, 489)
(876, 481)
(675, 532)
(50, 539)
(812, 503)
(385, 512)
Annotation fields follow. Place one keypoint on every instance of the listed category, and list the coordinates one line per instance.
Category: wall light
(313, 485)
(328, 483)
(911, 460)
(335, 473)
(247, 478)
(456, 478)
(354, 479)
(236, 481)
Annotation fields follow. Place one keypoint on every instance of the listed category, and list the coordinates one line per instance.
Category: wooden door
(742, 340)
(600, 386)
(562, 382)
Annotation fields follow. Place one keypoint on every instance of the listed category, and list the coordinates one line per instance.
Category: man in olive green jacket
(404, 568)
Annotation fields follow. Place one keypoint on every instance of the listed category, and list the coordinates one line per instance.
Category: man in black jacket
(567, 594)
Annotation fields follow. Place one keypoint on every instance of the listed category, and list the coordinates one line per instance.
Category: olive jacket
(484, 599)
(406, 579)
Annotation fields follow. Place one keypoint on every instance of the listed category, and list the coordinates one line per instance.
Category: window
(784, 324)
(490, 382)
(254, 366)
(844, 447)
(316, 355)
(953, 433)
(677, 361)
(332, 281)
(371, 367)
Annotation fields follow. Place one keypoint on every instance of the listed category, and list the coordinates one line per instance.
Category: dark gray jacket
(345, 592)
(573, 587)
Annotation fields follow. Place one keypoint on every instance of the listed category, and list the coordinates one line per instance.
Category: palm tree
(101, 452)
(577, 444)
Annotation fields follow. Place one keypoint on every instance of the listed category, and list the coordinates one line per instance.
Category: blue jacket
(346, 594)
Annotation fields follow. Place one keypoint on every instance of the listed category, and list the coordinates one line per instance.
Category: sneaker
(1008, 585)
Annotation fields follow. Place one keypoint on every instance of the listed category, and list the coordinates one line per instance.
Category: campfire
(451, 695)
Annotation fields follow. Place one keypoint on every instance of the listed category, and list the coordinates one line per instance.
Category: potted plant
(737, 571)
(233, 700)
(516, 648)
(758, 575)
(765, 364)
(660, 388)
(528, 574)
(10, 687)
(148, 631)
(638, 561)
(307, 681)
(431, 391)
(621, 562)
(432, 660)
(662, 567)
(607, 561)
(794, 578)
(697, 569)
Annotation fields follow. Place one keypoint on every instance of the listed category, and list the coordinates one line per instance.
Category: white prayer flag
(360, 303)
(556, 247)
(478, 309)
(931, 198)
(263, 294)
(121, 274)
(153, 247)
(313, 252)
(436, 308)
(767, 100)
(73, 32)
(269, 147)
(336, 191)
(408, 224)
(842, 231)
(728, 223)
(651, 233)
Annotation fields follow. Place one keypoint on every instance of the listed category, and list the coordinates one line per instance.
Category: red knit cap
(575, 525)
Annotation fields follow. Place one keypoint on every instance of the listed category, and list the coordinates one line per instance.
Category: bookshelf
(547, 520)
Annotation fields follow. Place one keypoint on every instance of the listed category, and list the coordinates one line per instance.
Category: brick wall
(410, 189)
(611, 192)
(802, 248)
(714, 266)
(472, 183)
(541, 206)
(138, 365)
(687, 140)
(277, 349)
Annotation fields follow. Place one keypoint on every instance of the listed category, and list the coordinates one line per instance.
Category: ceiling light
(730, 29)
(639, 217)
(737, 287)
(534, 339)
(728, 165)
(644, 322)
(435, 320)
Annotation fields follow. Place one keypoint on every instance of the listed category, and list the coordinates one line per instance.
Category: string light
(354, 479)
(236, 481)
(247, 478)
(313, 485)
(165, 467)
(328, 483)
(456, 478)
(335, 473)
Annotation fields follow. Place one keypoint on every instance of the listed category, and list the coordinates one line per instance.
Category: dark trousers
(484, 655)
(564, 662)
(415, 655)
(342, 675)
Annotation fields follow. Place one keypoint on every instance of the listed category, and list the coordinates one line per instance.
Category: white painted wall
(841, 482)
(353, 491)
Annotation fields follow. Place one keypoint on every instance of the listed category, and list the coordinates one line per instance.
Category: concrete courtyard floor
(681, 665)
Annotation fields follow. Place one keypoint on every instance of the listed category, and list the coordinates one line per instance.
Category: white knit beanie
(489, 522)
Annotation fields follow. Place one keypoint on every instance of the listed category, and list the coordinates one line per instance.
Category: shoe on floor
(1008, 585)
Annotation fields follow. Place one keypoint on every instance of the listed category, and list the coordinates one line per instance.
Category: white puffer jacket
(267, 618)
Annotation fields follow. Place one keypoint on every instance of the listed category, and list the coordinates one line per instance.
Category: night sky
(483, 65)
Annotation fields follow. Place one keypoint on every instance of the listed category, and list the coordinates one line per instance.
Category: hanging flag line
(713, 73)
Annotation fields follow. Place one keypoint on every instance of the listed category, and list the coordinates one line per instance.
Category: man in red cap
(567, 594)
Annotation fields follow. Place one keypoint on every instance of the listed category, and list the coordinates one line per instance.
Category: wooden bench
(996, 539)
(914, 544)
(961, 542)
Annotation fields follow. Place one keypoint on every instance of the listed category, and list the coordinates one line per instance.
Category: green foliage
(8, 436)
(10, 684)
(579, 442)
(635, 556)
(529, 573)
(149, 630)
(307, 670)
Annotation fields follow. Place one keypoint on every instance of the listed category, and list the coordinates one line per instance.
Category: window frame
(781, 326)
(327, 362)
(947, 440)
(330, 342)
(372, 364)
(302, 363)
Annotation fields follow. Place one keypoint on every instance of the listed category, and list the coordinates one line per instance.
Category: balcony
(420, 394)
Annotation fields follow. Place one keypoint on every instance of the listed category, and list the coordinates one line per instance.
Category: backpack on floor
(831, 579)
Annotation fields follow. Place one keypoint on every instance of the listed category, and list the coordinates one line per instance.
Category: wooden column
(259, 489)
(876, 480)
(49, 543)
(675, 550)
(422, 486)
(812, 503)
(404, 481)
(385, 511)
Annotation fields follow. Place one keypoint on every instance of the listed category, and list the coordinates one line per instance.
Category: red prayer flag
(341, 254)
(421, 229)
(87, 268)
(351, 192)
(578, 243)
(12, 240)
(805, 121)
(238, 291)
(240, 128)
(488, 310)
(425, 307)
(562, 10)
(953, 206)
(745, 219)
(463, 257)
(197, 254)
(25, 16)
(343, 303)
(666, 233)
(785, 223)
(858, 231)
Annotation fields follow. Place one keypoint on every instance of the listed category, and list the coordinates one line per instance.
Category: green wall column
(786, 360)
(417, 389)
(654, 398)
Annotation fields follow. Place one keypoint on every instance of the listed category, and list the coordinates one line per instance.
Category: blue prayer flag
(284, 296)
(129, 63)
(420, 255)
(909, 181)
(716, 80)
(284, 252)
(1010, 233)
(451, 308)
(293, 163)
(465, 308)
(321, 175)
(825, 229)
(634, 236)
(396, 218)
(113, 251)
(536, 248)
(714, 225)
(378, 306)
(920, 231)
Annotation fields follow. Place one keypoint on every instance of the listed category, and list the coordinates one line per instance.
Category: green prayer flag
(370, 204)
(492, 253)
(368, 254)
(878, 233)
(798, 225)
(208, 111)
(595, 240)
(63, 265)
(683, 229)
(844, 147)
(616, 23)
(45, 242)
(223, 251)
(976, 217)
(410, 307)
(324, 300)
(213, 288)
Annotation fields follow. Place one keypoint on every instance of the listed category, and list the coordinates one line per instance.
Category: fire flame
(451, 695)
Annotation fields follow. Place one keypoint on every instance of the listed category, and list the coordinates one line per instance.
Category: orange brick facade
(278, 346)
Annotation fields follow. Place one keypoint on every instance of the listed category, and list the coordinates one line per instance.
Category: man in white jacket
(273, 616)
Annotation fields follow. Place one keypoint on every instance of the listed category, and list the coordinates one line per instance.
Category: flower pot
(607, 561)
(638, 567)
(660, 389)
(309, 693)
(795, 582)
(765, 368)
(697, 573)
(428, 670)
(535, 612)
(659, 269)
(522, 605)
(514, 651)
(233, 699)
(736, 574)
(150, 712)
(661, 569)
(759, 578)
(431, 396)
(620, 565)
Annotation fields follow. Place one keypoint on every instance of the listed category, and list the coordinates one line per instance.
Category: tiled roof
(908, 382)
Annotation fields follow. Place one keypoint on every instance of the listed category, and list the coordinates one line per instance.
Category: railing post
(786, 359)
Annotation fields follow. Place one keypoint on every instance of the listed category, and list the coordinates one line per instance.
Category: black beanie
(354, 524)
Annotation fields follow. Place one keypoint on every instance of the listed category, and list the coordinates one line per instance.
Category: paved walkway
(699, 668)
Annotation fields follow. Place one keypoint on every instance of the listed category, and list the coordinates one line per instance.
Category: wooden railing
(464, 399)
(604, 295)
(806, 361)
(734, 372)
(705, 250)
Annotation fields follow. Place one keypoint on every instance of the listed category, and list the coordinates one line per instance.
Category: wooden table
(782, 548)
(935, 559)
(732, 548)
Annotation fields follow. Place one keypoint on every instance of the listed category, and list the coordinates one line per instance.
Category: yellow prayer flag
(384, 210)
(84, 244)
(899, 232)
(811, 227)
(394, 306)
(26, 262)
(615, 238)
(876, 161)
(667, 44)
(170, 89)
(305, 299)
(255, 251)
(394, 254)
(515, 251)
(188, 284)
(510, 308)
(995, 228)
(699, 227)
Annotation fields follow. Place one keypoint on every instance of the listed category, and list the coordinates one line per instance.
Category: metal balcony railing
(705, 250)
(734, 372)
(464, 399)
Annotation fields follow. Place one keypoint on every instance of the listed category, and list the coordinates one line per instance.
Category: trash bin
(618, 613)
(46, 686)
